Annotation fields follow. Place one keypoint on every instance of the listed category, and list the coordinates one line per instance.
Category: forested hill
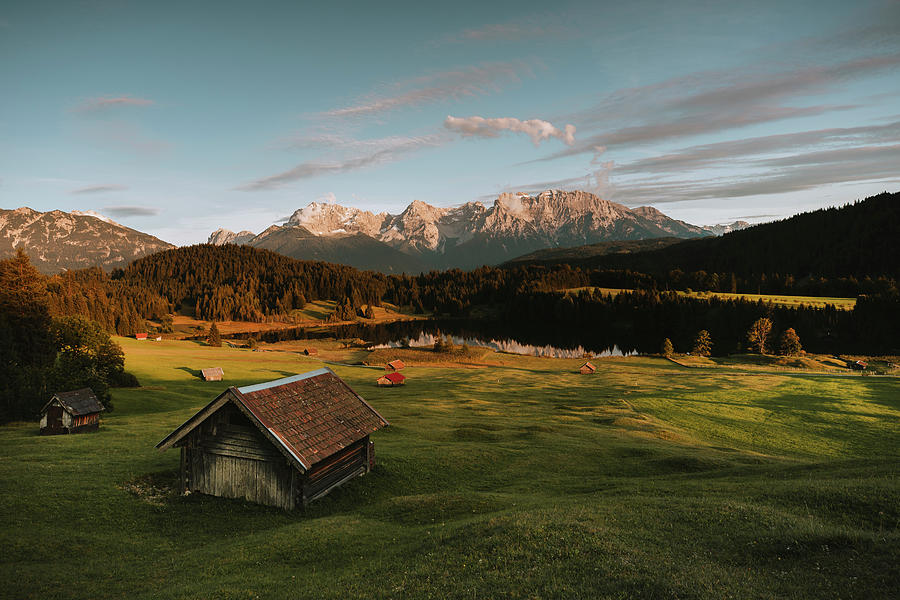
(244, 283)
(855, 240)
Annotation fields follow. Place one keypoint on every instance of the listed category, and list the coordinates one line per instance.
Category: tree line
(41, 354)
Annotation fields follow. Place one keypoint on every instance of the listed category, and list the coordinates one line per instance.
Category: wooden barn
(281, 443)
(212, 374)
(71, 412)
(587, 369)
(310, 351)
(140, 336)
(391, 379)
(395, 365)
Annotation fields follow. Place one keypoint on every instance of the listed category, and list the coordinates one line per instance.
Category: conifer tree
(703, 343)
(214, 339)
(667, 348)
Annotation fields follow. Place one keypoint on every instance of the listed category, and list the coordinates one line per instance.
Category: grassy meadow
(512, 477)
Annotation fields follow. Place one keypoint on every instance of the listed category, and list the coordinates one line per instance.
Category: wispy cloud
(728, 152)
(713, 102)
(131, 211)
(437, 87)
(99, 189)
(379, 151)
(536, 129)
(108, 103)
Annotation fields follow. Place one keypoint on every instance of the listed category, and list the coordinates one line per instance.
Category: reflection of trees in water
(427, 340)
(503, 335)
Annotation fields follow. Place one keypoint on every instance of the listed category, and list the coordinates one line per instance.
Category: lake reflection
(511, 346)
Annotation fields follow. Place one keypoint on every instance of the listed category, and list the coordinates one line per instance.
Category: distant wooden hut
(140, 336)
(281, 443)
(77, 411)
(391, 379)
(395, 365)
(859, 365)
(587, 368)
(212, 374)
(310, 351)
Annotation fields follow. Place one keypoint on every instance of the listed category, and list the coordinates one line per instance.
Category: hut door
(54, 417)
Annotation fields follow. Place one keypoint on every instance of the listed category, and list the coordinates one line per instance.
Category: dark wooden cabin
(310, 351)
(212, 374)
(391, 379)
(587, 369)
(395, 365)
(281, 443)
(77, 411)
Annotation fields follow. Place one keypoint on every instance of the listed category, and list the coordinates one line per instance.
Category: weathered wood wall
(331, 472)
(227, 456)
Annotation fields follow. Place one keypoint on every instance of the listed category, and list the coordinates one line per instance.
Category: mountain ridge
(472, 234)
(57, 241)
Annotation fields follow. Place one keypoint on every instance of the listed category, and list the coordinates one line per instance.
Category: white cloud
(536, 129)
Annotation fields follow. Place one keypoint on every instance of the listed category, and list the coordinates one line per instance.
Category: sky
(180, 118)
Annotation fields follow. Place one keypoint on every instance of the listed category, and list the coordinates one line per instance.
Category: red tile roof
(312, 415)
(140, 336)
(394, 378)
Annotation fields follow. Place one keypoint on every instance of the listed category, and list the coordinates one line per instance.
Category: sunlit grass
(521, 478)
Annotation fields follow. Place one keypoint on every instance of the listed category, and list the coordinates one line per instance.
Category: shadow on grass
(194, 372)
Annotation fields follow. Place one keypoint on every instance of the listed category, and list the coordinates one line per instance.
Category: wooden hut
(395, 365)
(281, 443)
(391, 379)
(212, 374)
(140, 336)
(587, 369)
(71, 412)
(310, 351)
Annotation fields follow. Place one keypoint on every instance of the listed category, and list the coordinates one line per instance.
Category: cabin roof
(394, 377)
(396, 364)
(308, 417)
(212, 371)
(589, 365)
(77, 402)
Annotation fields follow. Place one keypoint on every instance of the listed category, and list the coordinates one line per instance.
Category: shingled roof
(77, 402)
(308, 417)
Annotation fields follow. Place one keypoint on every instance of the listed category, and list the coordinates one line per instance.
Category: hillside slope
(853, 240)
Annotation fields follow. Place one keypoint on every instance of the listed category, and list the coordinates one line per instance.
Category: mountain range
(57, 240)
(425, 237)
(421, 238)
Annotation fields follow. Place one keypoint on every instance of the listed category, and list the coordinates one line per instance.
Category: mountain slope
(854, 240)
(56, 241)
(355, 250)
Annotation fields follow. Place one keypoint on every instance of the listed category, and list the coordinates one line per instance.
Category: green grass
(778, 299)
(517, 480)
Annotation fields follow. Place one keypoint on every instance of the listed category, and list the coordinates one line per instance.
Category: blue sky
(178, 118)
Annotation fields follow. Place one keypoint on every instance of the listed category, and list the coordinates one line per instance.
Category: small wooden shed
(310, 351)
(281, 443)
(212, 374)
(140, 336)
(587, 369)
(77, 411)
(391, 379)
(395, 365)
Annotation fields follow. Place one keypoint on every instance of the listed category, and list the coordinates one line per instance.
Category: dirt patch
(155, 489)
